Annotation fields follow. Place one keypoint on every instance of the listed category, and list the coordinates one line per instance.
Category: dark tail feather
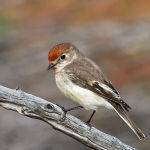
(122, 113)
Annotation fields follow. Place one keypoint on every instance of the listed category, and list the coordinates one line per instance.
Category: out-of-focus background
(114, 33)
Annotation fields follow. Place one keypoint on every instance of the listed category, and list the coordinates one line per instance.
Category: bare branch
(35, 107)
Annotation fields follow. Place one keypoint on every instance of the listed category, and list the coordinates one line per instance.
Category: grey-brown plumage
(81, 73)
(91, 78)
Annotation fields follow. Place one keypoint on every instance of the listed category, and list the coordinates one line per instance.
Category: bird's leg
(67, 110)
(88, 122)
(73, 108)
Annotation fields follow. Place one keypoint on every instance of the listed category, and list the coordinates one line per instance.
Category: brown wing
(92, 78)
(111, 95)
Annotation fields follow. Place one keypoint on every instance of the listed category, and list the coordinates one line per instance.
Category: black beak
(50, 66)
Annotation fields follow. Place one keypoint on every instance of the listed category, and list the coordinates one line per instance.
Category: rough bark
(35, 107)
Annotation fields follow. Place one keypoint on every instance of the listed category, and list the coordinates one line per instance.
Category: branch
(35, 107)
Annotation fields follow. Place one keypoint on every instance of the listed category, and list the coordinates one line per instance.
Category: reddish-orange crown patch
(58, 50)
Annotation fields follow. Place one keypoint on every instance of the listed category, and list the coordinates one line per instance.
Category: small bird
(80, 79)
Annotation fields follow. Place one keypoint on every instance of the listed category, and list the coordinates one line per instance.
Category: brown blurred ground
(114, 33)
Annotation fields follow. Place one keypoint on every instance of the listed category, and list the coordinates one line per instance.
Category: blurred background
(114, 33)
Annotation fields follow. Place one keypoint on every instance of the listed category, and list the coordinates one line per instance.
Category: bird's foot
(67, 110)
(17, 88)
(89, 120)
(89, 124)
(63, 118)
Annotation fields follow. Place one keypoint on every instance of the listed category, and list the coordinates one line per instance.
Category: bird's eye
(63, 57)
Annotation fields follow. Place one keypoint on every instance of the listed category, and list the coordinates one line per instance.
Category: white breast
(84, 97)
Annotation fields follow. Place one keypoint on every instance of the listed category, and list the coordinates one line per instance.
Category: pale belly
(83, 97)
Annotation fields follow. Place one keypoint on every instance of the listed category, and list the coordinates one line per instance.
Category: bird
(82, 80)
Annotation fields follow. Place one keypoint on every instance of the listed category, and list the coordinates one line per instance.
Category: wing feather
(107, 91)
(93, 79)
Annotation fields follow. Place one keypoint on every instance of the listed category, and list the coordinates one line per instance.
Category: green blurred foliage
(6, 25)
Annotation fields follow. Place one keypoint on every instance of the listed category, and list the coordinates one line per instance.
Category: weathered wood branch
(35, 107)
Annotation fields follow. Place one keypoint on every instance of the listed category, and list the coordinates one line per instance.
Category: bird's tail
(123, 114)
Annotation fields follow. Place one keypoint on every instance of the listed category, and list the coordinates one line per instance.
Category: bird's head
(61, 55)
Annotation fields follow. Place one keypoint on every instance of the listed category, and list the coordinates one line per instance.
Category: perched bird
(80, 79)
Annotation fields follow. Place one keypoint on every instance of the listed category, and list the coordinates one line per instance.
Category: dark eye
(63, 57)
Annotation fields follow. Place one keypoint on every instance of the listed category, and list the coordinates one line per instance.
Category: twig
(35, 107)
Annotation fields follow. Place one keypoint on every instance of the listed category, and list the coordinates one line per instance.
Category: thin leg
(73, 108)
(67, 110)
(88, 122)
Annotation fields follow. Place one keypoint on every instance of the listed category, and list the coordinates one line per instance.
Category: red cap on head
(58, 50)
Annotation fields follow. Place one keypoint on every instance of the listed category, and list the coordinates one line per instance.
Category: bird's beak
(50, 66)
